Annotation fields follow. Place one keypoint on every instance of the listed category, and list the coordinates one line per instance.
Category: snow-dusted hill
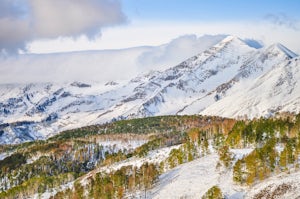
(266, 83)
(193, 179)
(230, 79)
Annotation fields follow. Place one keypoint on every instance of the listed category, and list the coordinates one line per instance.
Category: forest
(79, 163)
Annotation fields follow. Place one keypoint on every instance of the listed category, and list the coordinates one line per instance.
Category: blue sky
(154, 22)
(55, 26)
(59, 26)
(208, 10)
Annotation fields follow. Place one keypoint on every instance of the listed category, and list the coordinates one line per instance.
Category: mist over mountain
(119, 99)
(230, 79)
(102, 65)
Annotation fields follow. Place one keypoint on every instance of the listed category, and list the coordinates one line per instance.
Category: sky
(54, 40)
(35, 26)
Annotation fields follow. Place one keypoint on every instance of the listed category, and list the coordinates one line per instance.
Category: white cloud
(26, 20)
(73, 17)
(13, 34)
(176, 51)
(283, 20)
(156, 33)
(101, 66)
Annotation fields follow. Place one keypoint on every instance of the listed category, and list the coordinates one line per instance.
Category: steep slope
(165, 93)
(281, 186)
(101, 65)
(193, 179)
(240, 89)
(258, 81)
(159, 157)
(196, 77)
(36, 111)
(275, 90)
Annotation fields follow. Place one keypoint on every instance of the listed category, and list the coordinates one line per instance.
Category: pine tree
(213, 193)
(237, 172)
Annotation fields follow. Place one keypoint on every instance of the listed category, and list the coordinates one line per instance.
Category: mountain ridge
(207, 83)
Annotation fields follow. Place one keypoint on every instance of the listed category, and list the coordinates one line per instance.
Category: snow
(155, 156)
(193, 179)
(50, 193)
(272, 183)
(113, 146)
(240, 153)
(101, 65)
(286, 51)
(274, 90)
(260, 82)
(190, 180)
(229, 79)
(279, 148)
(4, 155)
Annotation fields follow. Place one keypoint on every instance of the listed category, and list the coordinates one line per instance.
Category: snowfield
(193, 179)
(283, 186)
(155, 156)
(260, 82)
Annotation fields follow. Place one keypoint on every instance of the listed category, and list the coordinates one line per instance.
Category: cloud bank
(176, 51)
(101, 66)
(22, 21)
(283, 20)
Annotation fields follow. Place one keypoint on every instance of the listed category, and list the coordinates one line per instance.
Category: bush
(213, 193)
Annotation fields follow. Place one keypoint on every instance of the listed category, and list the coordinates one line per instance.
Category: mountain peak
(207, 83)
(235, 41)
(232, 38)
(278, 47)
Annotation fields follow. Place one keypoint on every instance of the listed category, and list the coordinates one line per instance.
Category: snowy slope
(285, 185)
(228, 79)
(101, 65)
(275, 90)
(192, 180)
(262, 86)
(189, 180)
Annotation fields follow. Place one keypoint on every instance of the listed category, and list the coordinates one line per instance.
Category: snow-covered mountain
(101, 65)
(230, 79)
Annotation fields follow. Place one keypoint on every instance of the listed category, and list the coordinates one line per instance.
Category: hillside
(194, 156)
(260, 82)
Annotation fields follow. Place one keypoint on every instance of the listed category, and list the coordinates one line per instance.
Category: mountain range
(229, 79)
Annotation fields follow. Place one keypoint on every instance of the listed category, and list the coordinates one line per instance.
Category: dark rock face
(80, 85)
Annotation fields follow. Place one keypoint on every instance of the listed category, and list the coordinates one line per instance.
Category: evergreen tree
(213, 193)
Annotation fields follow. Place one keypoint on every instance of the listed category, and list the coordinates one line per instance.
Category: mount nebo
(230, 79)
